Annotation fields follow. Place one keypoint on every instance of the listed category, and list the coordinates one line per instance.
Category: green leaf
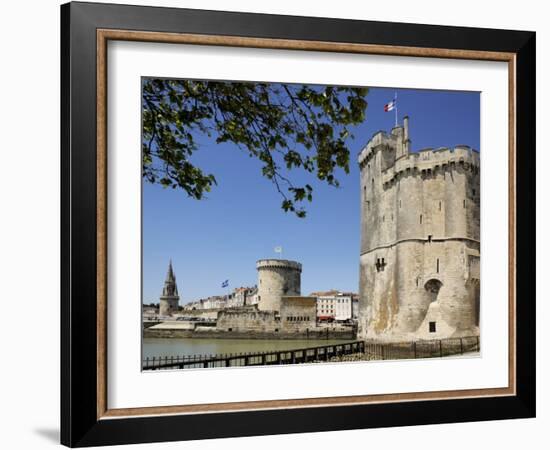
(287, 127)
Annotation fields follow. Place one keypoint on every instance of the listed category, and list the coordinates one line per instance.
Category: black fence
(421, 349)
(351, 351)
(296, 356)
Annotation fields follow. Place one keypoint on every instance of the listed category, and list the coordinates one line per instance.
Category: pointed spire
(170, 287)
(170, 274)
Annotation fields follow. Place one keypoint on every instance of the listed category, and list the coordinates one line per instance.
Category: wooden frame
(86, 418)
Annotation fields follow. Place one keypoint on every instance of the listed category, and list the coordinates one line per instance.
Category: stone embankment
(213, 333)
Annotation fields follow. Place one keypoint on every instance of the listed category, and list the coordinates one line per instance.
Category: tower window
(440, 206)
(383, 218)
(420, 218)
(437, 265)
(432, 327)
(464, 203)
(400, 203)
(474, 192)
(365, 193)
(380, 264)
(429, 238)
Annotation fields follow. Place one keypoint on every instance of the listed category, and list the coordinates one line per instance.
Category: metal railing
(367, 350)
(421, 349)
(295, 356)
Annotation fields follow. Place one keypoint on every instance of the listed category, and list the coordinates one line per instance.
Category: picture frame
(86, 418)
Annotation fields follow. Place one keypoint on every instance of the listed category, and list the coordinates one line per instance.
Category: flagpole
(395, 100)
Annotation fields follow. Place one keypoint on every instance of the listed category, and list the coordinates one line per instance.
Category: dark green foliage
(285, 126)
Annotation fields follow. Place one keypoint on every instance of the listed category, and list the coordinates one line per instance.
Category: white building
(253, 298)
(241, 296)
(334, 305)
(215, 302)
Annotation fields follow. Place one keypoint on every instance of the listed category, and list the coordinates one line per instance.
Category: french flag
(390, 106)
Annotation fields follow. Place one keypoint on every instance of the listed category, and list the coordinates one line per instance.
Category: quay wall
(212, 333)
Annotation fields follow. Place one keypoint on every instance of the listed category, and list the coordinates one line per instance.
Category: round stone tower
(170, 297)
(277, 278)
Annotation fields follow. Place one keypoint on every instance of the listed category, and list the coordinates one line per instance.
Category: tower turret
(170, 297)
(277, 278)
(406, 138)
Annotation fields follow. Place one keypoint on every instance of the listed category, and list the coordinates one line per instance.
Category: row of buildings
(241, 296)
(331, 305)
(274, 308)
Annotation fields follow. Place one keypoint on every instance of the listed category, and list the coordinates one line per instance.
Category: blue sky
(222, 236)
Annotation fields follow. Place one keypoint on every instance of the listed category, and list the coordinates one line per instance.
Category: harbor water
(158, 347)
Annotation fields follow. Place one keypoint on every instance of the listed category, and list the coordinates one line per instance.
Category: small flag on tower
(225, 284)
(390, 106)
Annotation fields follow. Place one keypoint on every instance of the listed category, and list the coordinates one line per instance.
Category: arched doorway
(433, 286)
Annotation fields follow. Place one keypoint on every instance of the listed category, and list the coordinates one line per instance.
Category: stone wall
(247, 320)
(298, 313)
(168, 305)
(201, 313)
(213, 333)
(419, 240)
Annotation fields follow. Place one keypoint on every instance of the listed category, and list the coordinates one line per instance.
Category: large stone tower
(419, 263)
(170, 297)
(276, 278)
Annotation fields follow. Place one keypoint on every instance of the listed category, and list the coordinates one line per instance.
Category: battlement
(397, 142)
(428, 162)
(376, 143)
(413, 195)
(398, 160)
(278, 264)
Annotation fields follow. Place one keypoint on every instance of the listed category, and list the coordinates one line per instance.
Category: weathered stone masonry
(281, 312)
(277, 278)
(419, 263)
(169, 299)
